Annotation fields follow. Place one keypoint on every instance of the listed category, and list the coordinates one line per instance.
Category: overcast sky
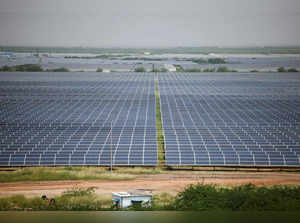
(138, 23)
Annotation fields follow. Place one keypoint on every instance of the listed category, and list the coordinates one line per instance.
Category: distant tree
(223, 69)
(281, 69)
(292, 70)
(61, 69)
(140, 69)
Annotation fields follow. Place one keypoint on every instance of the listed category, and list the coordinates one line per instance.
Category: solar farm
(92, 119)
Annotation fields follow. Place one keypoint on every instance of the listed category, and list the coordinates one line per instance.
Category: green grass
(197, 197)
(159, 127)
(62, 173)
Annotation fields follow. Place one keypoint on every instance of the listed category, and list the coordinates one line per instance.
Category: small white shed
(126, 199)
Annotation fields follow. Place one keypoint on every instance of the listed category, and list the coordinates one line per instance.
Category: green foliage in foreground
(240, 198)
(194, 198)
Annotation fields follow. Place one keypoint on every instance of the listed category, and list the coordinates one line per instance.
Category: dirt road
(171, 183)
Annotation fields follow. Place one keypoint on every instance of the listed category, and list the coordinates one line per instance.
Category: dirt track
(172, 182)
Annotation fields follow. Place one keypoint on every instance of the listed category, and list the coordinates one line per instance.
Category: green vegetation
(178, 68)
(99, 70)
(225, 69)
(292, 70)
(61, 69)
(193, 70)
(240, 198)
(31, 68)
(197, 197)
(76, 199)
(25, 67)
(219, 69)
(159, 127)
(209, 70)
(254, 71)
(282, 69)
(63, 173)
(140, 69)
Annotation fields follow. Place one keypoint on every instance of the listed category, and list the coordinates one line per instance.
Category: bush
(7, 69)
(209, 70)
(281, 69)
(240, 198)
(99, 70)
(140, 69)
(225, 69)
(61, 69)
(292, 70)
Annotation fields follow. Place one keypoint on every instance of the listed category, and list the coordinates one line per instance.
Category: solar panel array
(65, 119)
(231, 119)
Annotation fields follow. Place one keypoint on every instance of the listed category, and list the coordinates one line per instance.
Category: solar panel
(231, 119)
(72, 119)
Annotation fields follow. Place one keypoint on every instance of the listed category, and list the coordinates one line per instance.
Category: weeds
(62, 173)
(194, 198)
(240, 198)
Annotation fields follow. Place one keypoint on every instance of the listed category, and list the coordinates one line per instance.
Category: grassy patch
(159, 127)
(194, 198)
(62, 173)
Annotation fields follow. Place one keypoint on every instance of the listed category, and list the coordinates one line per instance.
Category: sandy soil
(172, 182)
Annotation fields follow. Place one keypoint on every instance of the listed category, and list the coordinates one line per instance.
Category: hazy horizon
(149, 24)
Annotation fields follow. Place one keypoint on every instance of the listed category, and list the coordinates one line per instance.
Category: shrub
(292, 70)
(281, 69)
(99, 70)
(240, 198)
(140, 69)
(61, 69)
(223, 69)
(29, 67)
(209, 70)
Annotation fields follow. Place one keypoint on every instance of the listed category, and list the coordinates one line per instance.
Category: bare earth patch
(171, 182)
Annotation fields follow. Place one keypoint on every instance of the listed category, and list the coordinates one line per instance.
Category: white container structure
(126, 199)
